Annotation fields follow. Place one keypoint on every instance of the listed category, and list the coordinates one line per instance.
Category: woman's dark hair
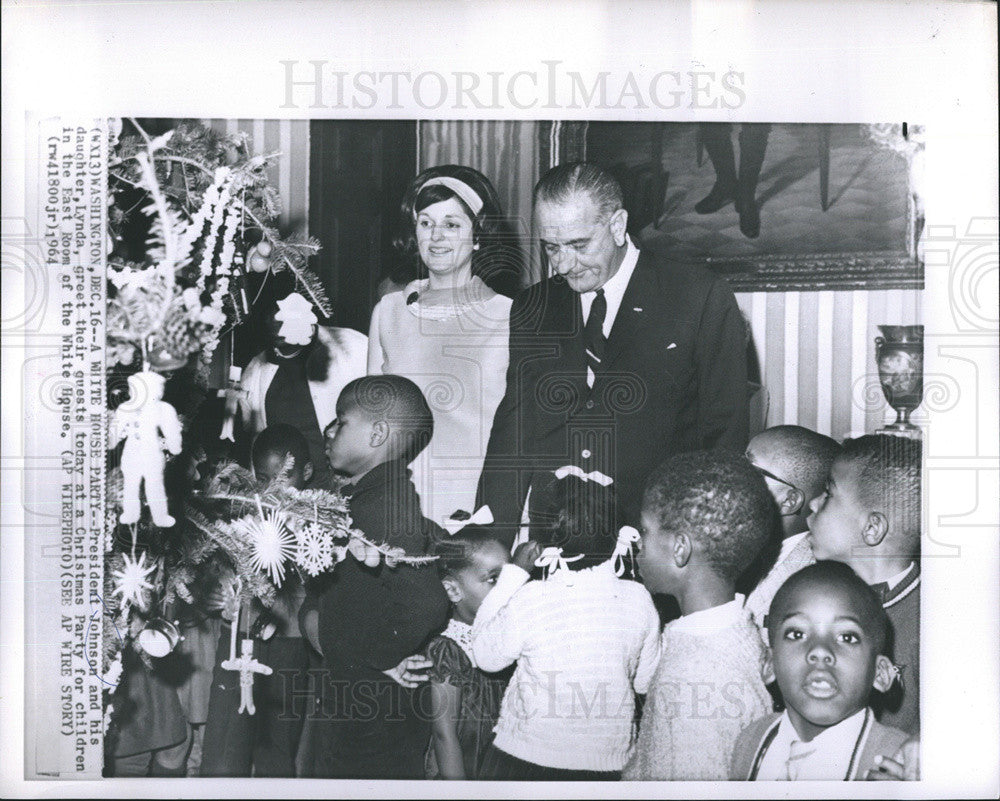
(455, 552)
(577, 516)
(498, 261)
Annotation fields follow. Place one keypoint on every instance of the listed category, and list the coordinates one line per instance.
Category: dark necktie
(593, 334)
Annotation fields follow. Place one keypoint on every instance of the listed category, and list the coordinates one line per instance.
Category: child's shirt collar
(709, 621)
(835, 750)
(898, 586)
(789, 544)
(384, 473)
(894, 581)
(461, 634)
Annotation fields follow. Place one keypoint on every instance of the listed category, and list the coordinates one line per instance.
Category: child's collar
(898, 586)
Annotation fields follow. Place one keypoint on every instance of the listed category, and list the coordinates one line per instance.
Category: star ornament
(271, 543)
(131, 580)
(296, 316)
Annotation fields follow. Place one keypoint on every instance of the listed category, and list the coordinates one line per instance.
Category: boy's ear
(307, 471)
(875, 529)
(380, 433)
(767, 668)
(452, 590)
(793, 502)
(681, 549)
(885, 673)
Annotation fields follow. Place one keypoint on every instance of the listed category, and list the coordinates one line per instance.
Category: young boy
(266, 743)
(869, 518)
(828, 636)
(705, 516)
(795, 463)
(371, 619)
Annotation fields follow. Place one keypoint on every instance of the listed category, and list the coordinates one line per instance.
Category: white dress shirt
(830, 759)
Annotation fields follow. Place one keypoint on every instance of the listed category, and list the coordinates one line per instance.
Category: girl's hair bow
(573, 470)
(624, 548)
(482, 517)
(551, 560)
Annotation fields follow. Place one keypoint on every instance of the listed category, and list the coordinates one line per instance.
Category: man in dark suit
(617, 361)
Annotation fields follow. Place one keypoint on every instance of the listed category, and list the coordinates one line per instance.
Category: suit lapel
(632, 313)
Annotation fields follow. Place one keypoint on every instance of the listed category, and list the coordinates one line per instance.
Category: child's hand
(407, 673)
(904, 765)
(525, 555)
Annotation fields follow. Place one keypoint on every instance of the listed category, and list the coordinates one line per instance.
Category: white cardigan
(585, 643)
(348, 360)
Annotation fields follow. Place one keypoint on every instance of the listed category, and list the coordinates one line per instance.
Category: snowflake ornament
(314, 552)
(130, 581)
(271, 543)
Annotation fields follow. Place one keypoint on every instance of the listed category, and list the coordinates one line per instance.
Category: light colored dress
(453, 344)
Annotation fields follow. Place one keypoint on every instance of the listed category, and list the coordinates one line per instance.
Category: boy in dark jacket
(371, 618)
(869, 518)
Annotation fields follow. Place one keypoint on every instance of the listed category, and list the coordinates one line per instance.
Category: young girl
(584, 638)
(464, 701)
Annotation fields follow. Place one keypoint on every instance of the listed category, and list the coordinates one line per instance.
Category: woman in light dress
(448, 332)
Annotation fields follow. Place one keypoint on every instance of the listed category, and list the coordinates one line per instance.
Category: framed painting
(774, 207)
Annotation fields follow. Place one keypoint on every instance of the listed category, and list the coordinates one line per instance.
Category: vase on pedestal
(899, 354)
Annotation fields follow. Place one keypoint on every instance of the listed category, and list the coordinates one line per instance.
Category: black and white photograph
(532, 417)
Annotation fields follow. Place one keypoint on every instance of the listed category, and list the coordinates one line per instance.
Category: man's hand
(408, 673)
(904, 765)
(525, 555)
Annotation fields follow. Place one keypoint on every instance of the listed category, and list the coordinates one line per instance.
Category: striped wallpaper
(817, 355)
(816, 350)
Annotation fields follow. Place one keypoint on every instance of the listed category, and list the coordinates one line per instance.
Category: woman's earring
(475, 246)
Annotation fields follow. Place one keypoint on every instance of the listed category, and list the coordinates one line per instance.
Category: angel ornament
(147, 424)
(247, 666)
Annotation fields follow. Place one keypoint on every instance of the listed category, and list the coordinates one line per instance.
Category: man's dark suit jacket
(674, 379)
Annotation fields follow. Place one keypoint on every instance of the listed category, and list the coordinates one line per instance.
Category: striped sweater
(585, 642)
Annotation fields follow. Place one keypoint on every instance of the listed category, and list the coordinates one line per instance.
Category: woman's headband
(460, 188)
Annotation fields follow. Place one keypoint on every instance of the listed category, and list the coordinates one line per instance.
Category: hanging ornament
(247, 666)
(131, 581)
(159, 637)
(297, 319)
(271, 543)
(314, 548)
(233, 394)
(114, 672)
(140, 421)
